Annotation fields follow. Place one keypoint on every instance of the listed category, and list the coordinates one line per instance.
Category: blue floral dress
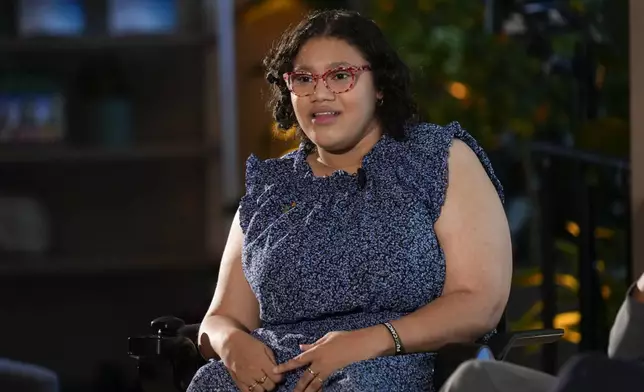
(324, 254)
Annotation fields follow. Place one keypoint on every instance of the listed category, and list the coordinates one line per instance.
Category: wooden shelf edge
(35, 154)
(58, 266)
(84, 43)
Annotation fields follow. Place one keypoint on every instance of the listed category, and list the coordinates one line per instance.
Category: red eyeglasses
(337, 80)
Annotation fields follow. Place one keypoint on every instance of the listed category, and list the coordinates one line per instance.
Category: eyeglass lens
(337, 81)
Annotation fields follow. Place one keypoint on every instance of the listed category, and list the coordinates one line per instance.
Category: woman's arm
(234, 307)
(474, 235)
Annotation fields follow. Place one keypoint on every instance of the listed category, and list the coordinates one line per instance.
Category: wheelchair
(168, 358)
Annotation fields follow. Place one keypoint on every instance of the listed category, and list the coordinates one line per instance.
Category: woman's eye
(302, 78)
(341, 75)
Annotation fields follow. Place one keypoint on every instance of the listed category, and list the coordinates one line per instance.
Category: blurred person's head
(336, 80)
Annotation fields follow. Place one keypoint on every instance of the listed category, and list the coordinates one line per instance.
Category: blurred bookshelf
(21, 266)
(108, 145)
(76, 44)
(50, 154)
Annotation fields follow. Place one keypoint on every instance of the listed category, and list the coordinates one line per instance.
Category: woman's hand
(333, 352)
(250, 363)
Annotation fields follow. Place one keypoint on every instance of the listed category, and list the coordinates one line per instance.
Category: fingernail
(276, 370)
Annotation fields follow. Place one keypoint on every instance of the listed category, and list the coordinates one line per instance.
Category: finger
(254, 387)
(270, 355)
(303, 382)
(268, 384)
(269, 368)
(252, 378)
(306, 379)
(306, 347)
(315, 384)
(240, 385)
(295, 363)
(275, 378)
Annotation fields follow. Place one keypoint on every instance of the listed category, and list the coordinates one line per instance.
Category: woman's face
(334, 119)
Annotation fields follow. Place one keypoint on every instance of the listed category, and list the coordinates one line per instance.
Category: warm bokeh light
(458, 90)
(604, 233)
(567, 319)
(568, 281)
(601, 233)
(573, 229)
(606, 291)
(267, 9)
(600, 76)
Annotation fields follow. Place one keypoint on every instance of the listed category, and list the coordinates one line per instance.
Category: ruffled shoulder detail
(261, 177)
(430, 148)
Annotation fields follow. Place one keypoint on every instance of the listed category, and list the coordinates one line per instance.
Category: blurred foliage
(492, 84)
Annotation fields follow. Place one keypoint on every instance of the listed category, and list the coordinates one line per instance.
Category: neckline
(304, 151)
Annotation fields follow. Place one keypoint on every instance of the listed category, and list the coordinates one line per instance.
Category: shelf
(49, 154)
(74, 44)
(58, 266)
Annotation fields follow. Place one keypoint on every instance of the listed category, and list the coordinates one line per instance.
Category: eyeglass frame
(353, 69)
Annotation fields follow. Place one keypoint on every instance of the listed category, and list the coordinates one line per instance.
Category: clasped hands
(332, 352)
(255, 372)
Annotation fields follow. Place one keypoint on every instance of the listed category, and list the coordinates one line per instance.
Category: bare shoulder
(467, 173)
(461, 155)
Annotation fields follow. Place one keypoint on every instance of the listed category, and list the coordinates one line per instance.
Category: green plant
(491, 84)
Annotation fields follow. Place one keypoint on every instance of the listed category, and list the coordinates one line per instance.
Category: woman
(378, 237)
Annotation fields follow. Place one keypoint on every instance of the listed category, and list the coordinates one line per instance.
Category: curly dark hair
(391, 74)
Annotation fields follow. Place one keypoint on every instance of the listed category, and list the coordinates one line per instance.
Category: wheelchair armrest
(172, 337)
(173, 347)
(451, 356)
(502, 343)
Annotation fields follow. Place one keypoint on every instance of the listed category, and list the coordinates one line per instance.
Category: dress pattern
(324, 254)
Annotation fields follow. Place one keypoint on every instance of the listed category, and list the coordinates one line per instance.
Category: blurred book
(32, 110)
(141, 16)
(24, 225)
(51, 17)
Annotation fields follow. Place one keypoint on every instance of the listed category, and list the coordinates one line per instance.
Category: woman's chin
(333, 145)
(331, 140)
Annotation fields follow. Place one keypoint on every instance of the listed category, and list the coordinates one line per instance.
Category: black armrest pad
(190, 331)
(184, 340)
(451, 356)
(501, 344)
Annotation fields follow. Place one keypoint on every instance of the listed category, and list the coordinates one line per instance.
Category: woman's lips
(325, 118)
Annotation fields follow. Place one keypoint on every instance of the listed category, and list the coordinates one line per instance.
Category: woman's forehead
(321, 54)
